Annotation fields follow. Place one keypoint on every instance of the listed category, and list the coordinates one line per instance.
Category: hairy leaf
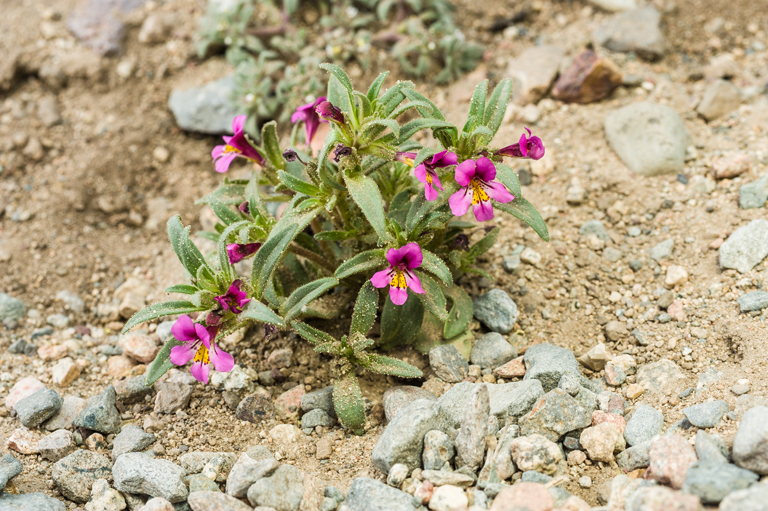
(182, 288)
(461, 311)
(305, 294)
(410, 128)
(364, 314)
(272, 145)
(485, 244)
(375, 88)
(158, 310)
(258, 311)
(348, 402)
(268, 256)
(436, 266)
(312, 334)
(433, 298)
(497, 106)
(188, 254)
(340, 75)
(298, 185)
(363, 261)
(162, 362)
(401, 323)
(365, 192)
(388, 365)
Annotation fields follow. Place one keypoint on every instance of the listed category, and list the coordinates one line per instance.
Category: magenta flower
(426, 174)
(532, 148)
(239, 251)
(199, 344)
(479, 187)
(399, 276)
(234, 299)
(329, 112)
(308, 114)
(405, 157)
(236, 145)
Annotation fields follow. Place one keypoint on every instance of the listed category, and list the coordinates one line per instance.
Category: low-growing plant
(374, 214)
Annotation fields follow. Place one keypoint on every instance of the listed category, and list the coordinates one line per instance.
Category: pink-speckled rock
(676, 311)
(24, 441)
(670, 459)
(50, 352)
(616, 419)
(25, 387)
(528, 496)
(139, 347)
(515, 368)
(289, 402)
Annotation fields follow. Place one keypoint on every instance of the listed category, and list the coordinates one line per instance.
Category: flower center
(202, 355)
(408, 161)
(429, 178)
(398, 280)
(230, 149)
(478, 193)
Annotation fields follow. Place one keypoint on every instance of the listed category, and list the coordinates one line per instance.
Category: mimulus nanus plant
(350, 221)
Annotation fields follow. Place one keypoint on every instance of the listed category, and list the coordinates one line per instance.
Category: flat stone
(63, 418)
(754, 301)
(589, 78)
(23, 441)
(37, 408)
(65, 372)
(75, 474)
(644, 424)
(10, 467)
(395, 399)
(660, 376)
(515, 368)
(215, 501)
(528, 496)
(751, 499)
(100, 413)
(670, 459)
(141, 473)
(199, 482)
(438, 450)
(283, 490)
(712, 482)
(448, 363)
(320, 399)
(710, 447)
(720, 98)
(536, 452)
(131, 439)
(132, 390)
(633, 31)
(746, 247)
(555, 414)
(751, 440)
(637, 456)
(139, 347)
(57, 445)
(403, 439)
(104, 498)
(594, 227)
(755, 194)
(448, 498)
(496, 310)
(172, 397)
(470, 442)
(650, 139)
(206, 109)
(513, 399)
(97, 24)
(663, 250)
(256, 407)
(706, 415)
(658, 498)
(492, 350)
(440, 478)
(367, 494)
(247, 471)
(533, 71)
(25, 387)
(30, 502)
(547, 363)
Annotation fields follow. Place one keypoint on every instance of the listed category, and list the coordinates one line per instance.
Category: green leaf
(477, 103)
(374, 128)
(188, 254)
(226, 194)
(224, 213)
(335, 235)
(162, 362)
(485, 134)
(254, 199)
(394, 96)
(365, 192)
(364, 314)
(375, 88)
(433, 298)
(423, 154)
(485, 244)
(268, 256)
(292, 307)
(340, 75)
(525, 211)
(509, 179)
(272, 145)
(298, 185)
(340, 97)
(401, 323)
(312, 334)
(410, 129)
(408, 106)
(431, 111)
(226, 267)
(158, 310)
(436, 266)
(348, 403)
(363, 261)
(259, 312)
(182, 288)
(461, 311)
(497, 106)
(388, 365)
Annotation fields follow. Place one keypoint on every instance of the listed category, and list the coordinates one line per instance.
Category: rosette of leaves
(351, 356)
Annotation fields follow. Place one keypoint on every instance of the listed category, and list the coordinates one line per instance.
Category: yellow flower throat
(398, 280)
(478, 193)
(202, 355)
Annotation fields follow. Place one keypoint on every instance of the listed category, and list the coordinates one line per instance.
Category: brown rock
(139, 347)
(324, 449)
(596, 358)
(515, 368)
(528, 496)
(289, 403)
(65, 372)
(598, 417)
(119, 366)
(50, 352)
(255, 408)
(731, 165)
(601, 441)
(589, 78)
(670, 459)
(616, 330)
(172, 397)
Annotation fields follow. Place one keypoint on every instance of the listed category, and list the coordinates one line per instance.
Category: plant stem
(315, 258)
(327, 252)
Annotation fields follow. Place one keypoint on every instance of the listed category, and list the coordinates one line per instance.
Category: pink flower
(308, 114)
(234, 299)
(236, 145)
(328, 112)
(399, 276)
(426, 174)
(239, 251)
(199, 345)
(479, 187)
(405, 157)
(532, 148)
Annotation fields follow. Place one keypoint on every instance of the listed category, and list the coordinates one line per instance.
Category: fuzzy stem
(315, 258)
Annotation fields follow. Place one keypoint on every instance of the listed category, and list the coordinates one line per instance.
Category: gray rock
(595, 227)
(754, 301)
(755, 194)
(283, 490)
(132, 390)
(172, 397)
(496, 310)
(39, 407)
(659, 377)
(492, 350)
(633, 31)
(17, 347)
(136, 472)
(100, 413)
(706, 415)
(215, 501)
(750, 445)
(10, 467)
(98, 24)
(194, 462)
(163, 331)
(448, 364)
(663, 251)
(72, 301)
(650, 139)
(710, 447)
(403, 439)
(438, 450)
(470, 442)
(328, 504)
(746, 247)
(751, 499)
(611, 254)
(644, 424)
(12, 310)
(319, 399)
(610, 402)
(57, 445)
(712, 482)
(531, 476)
(637, 456)
(570, 383)
(75, 474)
(58, 320)
(533, 72)
(397, 474)
(246, 472)
(370, 495)
(199, 482)
(131, 439)
(510, 263)
(71, 407)
(502, 458)
(720, 98)
(555, 414)
(442, 478)
(548, 363)
(316, 417)
(206, 109)
(30, 502)
(397, 398)
(707, 379)
(513, 399)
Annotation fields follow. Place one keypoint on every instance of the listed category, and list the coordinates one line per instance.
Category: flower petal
(444, 159)
(486, 170)
(183, 353)
(184, 329)
(465, 172)
(394, 256)
(414, 283)
(498, 192)
(523, 145)
(421, 173)
(218, 151)
(200, 371)
(430, 193)
(412, 255)
(398, 295)
(483, 211)
(223, 163)
(237, 123)
(436, 180)
(206, 334)
(460, 202)
(222, 361)
(381, 278)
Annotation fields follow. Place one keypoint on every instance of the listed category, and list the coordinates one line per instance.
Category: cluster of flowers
(478, 188)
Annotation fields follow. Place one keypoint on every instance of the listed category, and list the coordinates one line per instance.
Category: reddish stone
(25, 387)
(670, 459)
(599, 417)
(24, 441)
(288, 403)
(50, 352)
(528, 496)
(515, 368)
(731, 165)
(424, 492)
(141, 348)
(589, 78)
(676, 311)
